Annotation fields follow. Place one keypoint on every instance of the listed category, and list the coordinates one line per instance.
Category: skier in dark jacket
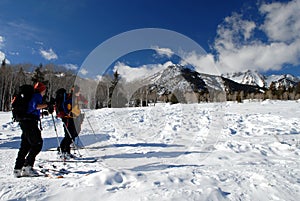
(72, 121)
(31, 139)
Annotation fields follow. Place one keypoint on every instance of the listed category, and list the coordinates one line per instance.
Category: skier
(72, 121)
(31, 139)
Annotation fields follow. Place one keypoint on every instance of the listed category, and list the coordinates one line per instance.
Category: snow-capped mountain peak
(256, 79)
(248, 77)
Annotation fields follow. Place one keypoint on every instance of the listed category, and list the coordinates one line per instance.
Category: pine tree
(21, 77)
(173, 99)
(114, 83)
(297, 88)
(3, 62)
(38, 75)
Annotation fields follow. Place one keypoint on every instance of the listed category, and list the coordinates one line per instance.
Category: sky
(235, 35)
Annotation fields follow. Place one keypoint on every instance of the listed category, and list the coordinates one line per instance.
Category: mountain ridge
(256, 78)
(191, 86)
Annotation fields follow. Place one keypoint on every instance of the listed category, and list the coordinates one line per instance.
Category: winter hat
(39, 87)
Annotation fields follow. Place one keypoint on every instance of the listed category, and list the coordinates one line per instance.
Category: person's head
(40, 88)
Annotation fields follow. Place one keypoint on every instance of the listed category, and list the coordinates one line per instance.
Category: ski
(72, 161)
(78, 160)
(52, 172)
(57, 149)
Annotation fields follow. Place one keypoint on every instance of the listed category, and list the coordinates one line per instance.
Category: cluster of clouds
(241, 43)
(265, 42)
(2, 55)
(48, 54)
(267, 45)
(131, 74)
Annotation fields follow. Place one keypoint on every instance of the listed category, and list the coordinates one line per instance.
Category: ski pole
(90, 124)
(56, 133)
(71, 138)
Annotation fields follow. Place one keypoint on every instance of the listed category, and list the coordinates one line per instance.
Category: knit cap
(39, 87)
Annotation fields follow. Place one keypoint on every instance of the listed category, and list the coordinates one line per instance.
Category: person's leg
(65, 143)
(73, 128)
(23, 150)
(36, 142)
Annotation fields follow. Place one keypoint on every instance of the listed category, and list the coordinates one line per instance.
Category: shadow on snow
(172, 154)
(160, 145)
(84, 140)
(158, 166)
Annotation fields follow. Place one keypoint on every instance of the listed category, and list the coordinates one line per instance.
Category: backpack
(60, 100)
(20, 103)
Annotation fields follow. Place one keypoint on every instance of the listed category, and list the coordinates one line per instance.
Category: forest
(112, 93)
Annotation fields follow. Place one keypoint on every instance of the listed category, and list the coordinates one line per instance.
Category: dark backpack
(60, 99)
(20, 103)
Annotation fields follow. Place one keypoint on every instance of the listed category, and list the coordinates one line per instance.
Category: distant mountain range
(256, 79)
(179, 79)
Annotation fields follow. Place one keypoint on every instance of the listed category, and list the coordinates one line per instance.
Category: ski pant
(31, 143)
(72, 127)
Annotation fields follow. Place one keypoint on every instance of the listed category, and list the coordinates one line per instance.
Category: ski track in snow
(213, 151)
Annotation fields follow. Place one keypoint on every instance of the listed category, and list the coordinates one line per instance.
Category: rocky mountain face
(178, 78)
(191, 86)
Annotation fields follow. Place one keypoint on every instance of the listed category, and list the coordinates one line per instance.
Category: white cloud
(48, 54)
(14, 53)
(71, 66)
(202, 63)
(2, 41)
(99, 77)
(163, 51)
(39, 43)
(2, 56)
(234, 32)
(282, 20)
(242, 44)
(136, 73)
(238, 50)
(83, 71)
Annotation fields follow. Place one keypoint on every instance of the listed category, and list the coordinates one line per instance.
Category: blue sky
(237, 35)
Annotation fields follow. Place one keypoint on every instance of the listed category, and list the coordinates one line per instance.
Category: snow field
(215, 151)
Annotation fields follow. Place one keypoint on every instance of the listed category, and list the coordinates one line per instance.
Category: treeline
(273, 92)
(54, 77)
(13, 76)
(109, 92)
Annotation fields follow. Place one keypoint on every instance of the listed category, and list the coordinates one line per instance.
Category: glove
(52, 101)
(50, 109)
(51, 104)
(45, 113)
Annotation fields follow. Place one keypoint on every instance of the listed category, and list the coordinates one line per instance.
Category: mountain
(183, 82)
(177, 77)
(189, 85)
(248, 77)
(256, 79)
(286, 80)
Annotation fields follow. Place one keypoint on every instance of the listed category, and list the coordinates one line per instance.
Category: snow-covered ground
(215, 151)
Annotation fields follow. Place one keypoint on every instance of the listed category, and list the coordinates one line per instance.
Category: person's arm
(36, 103)
(41, 106)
